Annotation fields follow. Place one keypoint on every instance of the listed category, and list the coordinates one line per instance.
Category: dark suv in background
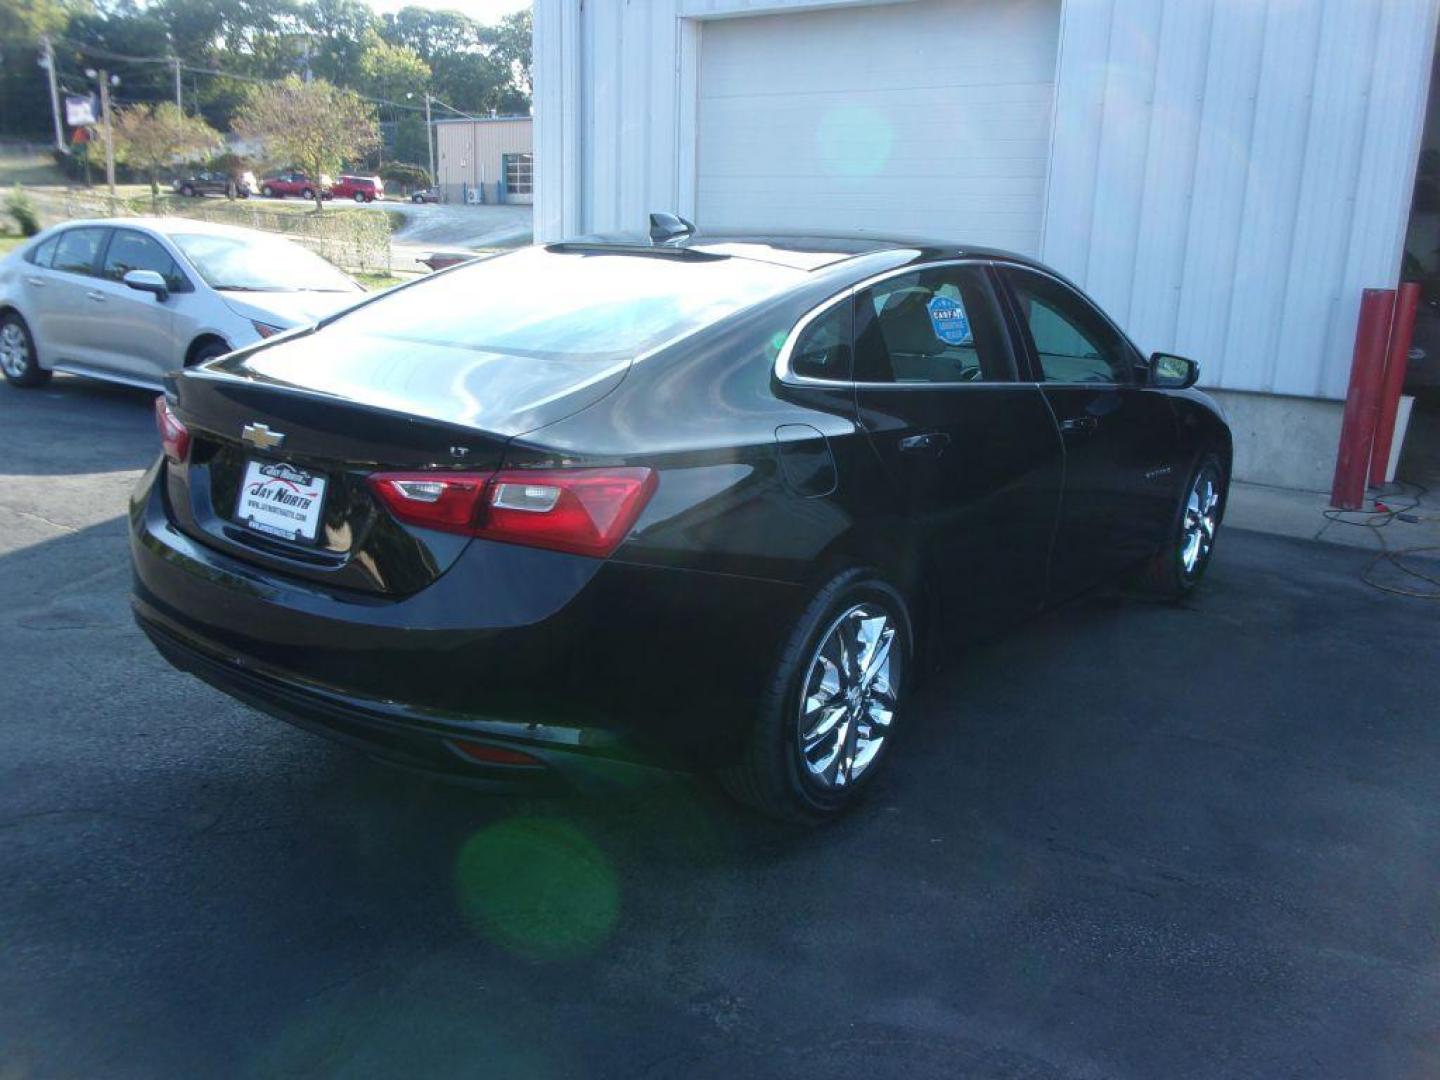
(215, 183)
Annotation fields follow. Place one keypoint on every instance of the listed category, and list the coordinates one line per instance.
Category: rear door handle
(38, 282)
(1078, 425)
(932, 442)
(93, 295)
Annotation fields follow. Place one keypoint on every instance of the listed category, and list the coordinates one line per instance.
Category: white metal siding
(929, 118)
(1228, 175)
(1225, 175)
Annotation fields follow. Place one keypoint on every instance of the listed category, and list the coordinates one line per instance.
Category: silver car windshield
(259, 264)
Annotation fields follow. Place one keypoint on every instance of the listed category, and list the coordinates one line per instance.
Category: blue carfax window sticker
(949, 321)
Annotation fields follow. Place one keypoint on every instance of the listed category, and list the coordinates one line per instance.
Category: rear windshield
(568, 305)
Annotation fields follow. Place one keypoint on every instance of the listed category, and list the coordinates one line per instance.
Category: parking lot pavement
(1126, 840)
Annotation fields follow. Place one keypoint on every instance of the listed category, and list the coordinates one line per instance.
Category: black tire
(209, 351)
(24, 370)
(771, 775)
(359, 197)
(1166, 575)
(307, 194)
(268, 191)
(416, 199)
(187, 190)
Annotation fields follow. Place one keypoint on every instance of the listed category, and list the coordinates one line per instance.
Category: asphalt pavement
(1128, 840)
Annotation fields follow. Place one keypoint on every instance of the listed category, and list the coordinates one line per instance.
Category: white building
(1223, 176)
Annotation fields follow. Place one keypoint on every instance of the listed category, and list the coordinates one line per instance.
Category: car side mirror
(149, 281)
(1171, 372)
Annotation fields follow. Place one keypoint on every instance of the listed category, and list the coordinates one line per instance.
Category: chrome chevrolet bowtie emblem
(261, 437)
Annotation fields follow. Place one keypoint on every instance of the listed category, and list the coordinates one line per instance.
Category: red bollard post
(1402, 332)
(1362, 400)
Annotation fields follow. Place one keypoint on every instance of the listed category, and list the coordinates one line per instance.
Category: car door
(59, 291)
(1121, 437)
(135, 330)
(972, 452)
(36, 290)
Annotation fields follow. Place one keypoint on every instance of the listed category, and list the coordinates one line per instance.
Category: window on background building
(519, 171)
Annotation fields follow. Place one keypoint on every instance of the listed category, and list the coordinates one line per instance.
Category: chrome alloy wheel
(1202, 517)
(849, 697)
(14, 350)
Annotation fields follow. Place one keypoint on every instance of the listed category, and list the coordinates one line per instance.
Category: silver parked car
(129, 300)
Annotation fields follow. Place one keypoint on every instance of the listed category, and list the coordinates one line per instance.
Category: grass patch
(381, 282)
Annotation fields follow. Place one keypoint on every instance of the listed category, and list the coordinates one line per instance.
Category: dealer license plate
(278, 499)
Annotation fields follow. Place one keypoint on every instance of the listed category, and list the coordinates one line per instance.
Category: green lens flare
(854, 141)
(538, 887)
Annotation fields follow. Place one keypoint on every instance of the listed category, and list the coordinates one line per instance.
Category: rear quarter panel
(705, 415)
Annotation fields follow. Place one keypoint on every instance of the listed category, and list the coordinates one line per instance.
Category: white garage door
(929, 118)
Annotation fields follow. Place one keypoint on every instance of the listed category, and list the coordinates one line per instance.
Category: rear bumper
(567, 757)
(601, 670)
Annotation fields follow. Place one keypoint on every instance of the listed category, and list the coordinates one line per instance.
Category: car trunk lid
(265, 446)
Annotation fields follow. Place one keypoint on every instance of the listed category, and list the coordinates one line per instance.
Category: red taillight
(493, 755)
(582, 511)
(173, 435)
(434, 500)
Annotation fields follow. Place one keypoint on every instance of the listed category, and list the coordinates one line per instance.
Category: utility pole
(105, 77)
(178, 103)
(47, 61)
(430, 141)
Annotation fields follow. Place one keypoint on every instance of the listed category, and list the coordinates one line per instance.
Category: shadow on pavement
(74, 425)
(1129, 839)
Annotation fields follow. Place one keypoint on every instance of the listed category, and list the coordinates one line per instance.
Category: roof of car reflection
(807, 251)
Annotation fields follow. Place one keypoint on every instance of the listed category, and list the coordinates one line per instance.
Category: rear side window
(130, 250)
(567, 305)
(76, 251)
(930, 326)
(41, 254)
(823, 349)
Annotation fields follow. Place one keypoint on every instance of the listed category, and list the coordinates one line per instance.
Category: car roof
(810, 251)
(168, 226)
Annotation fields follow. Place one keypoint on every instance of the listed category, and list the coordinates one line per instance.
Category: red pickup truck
(294, 183)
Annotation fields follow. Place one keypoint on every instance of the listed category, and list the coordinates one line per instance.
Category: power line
(106, 54)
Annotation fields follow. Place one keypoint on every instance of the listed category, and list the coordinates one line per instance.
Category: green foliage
(392, 71)
(25, 20)
(405, 175)
(314, 126)
(232, 165)
(471, 66)
(152, 137)
(20, 207)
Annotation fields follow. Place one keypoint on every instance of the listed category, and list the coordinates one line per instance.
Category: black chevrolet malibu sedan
(584, 510)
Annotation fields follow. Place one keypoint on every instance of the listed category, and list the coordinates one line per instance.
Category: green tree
(149, 138)
(23, 21)
(391, 71)
(514, 39)
(473, 67)
(339, 31)
(313, 126)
